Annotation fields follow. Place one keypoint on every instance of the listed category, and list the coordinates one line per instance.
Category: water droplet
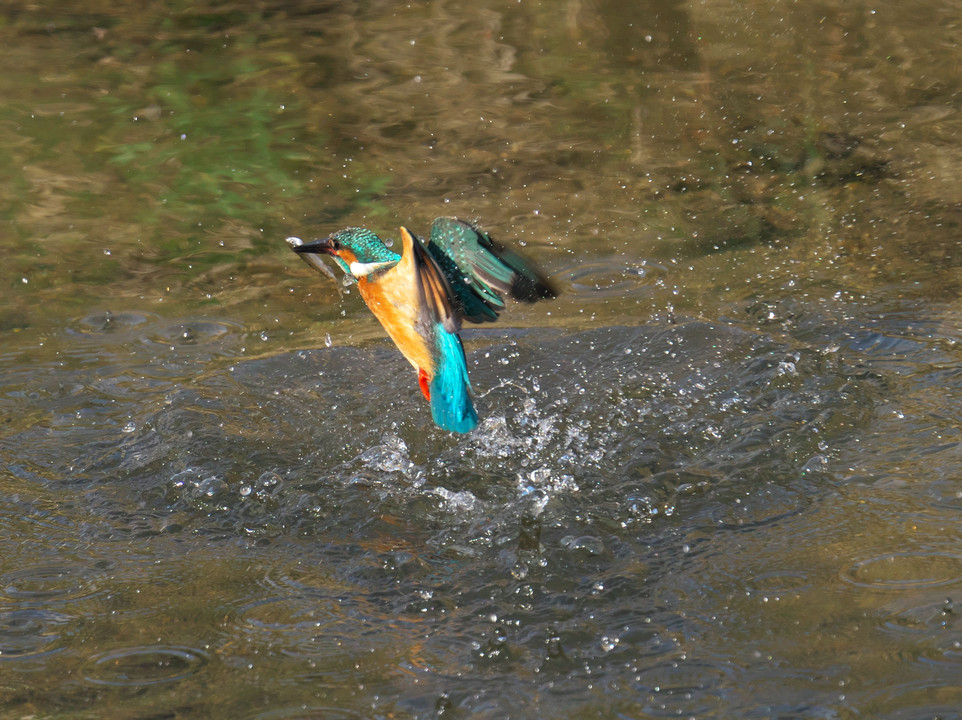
(591, 545)
(817, 463)
(130, 427)
(269, 479)
(540, 475)
(608, 643)
(327, 340)
(211, 486)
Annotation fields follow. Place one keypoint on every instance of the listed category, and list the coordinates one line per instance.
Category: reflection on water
(721, 482)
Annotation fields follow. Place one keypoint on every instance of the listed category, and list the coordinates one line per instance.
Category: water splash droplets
(817, 463)
(390, 456)
(587, 543)
(609, 643)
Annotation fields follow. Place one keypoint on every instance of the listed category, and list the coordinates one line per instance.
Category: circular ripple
(192, 333)
(610, 279)
(107, 322)
(923, 619)
(947, 654)
(298, 577)
(289, 621)
(144, 665)
(29, 633)
(314, 626)
(905, 571)
(683, 687)
(47, 582)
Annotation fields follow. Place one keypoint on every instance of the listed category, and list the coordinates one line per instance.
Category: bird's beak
(311, 252)
(321, 246)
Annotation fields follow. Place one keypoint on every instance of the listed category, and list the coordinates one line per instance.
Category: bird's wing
(433, 289)
(481, 271)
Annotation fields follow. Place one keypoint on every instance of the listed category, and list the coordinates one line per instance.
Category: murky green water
(720, 477)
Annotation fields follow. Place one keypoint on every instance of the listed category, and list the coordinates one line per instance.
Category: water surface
(718, 477)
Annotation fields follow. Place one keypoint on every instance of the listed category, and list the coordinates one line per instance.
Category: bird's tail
(451, 404)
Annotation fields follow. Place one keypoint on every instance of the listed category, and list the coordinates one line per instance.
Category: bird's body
(393, 298)
(421, 296)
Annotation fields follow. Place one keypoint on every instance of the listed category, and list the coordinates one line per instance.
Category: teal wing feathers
(463, 273)
(480, 271)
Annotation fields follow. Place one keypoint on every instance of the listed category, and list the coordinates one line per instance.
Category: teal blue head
(357, 251)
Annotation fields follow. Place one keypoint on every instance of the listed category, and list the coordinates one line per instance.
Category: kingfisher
(422, 295)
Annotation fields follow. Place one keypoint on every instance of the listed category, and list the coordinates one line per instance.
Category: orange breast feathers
(393, 298)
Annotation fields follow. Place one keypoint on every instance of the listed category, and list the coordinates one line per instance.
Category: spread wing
(435, 292)
(480, 271)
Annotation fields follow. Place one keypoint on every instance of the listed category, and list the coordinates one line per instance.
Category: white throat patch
(364, 269)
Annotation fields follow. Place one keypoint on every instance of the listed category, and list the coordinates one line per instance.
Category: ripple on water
(921, 619)
(921, 700)
(947, 654)
(684, 688)
(297, 577)
(933, 627)
(298, 625)
(905, 571)
(191, 333)
(30, 633)
(48, 582)
(612, 278)
(321, 634)
(144, 665)
(109, 322)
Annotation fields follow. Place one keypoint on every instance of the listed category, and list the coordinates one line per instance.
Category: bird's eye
(336, 244)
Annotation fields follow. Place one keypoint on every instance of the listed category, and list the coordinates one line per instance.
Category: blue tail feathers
(451, 404)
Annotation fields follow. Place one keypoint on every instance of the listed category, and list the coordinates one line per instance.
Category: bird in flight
(422, 295)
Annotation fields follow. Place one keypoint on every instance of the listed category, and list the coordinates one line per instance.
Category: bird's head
(357, 251)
